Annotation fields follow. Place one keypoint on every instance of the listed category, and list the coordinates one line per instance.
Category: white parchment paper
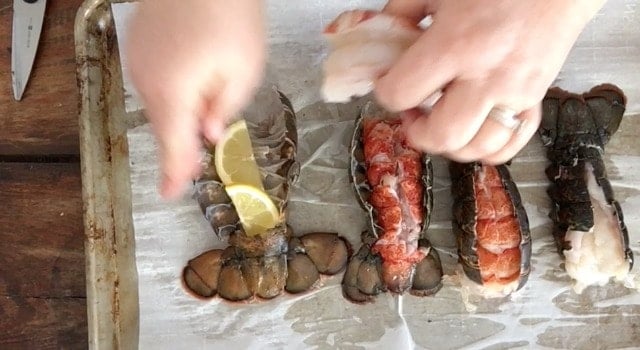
(545, 314)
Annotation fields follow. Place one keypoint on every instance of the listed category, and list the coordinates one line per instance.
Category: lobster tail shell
(250, 266)
(358, 171)
(262, 266)
(274, 138)
(508, 219)
(412, 263)
(575, 129)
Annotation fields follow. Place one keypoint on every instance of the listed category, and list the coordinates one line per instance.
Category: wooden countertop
(42, 279)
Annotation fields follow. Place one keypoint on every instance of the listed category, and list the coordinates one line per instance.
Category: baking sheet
(545, 314)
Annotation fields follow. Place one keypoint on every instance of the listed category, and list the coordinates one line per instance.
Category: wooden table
(42, 279)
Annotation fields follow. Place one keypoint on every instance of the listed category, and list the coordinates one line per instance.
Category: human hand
(483, 54)
(195, 63)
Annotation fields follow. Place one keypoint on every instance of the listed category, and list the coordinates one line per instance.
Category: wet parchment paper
(545, 314)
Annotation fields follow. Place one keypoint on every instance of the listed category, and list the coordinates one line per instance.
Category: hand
(483, 54)
(195, 63)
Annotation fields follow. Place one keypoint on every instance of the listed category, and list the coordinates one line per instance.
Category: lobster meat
(364, 44)
(393, 184)
(491, 227)
(261, 267)
(589, 227)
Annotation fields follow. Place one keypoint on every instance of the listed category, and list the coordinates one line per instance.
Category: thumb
(415, 10)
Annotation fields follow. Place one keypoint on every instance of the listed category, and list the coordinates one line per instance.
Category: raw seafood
(364, 44)
(589, 228)
(261, 266)
(393, 184)
(491, 227)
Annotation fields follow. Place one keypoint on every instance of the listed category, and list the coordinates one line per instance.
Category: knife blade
(28, 16)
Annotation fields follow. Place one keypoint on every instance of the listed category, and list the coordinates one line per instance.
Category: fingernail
(431, 100)
(214, 130)
(197, 168)
(407, 118)
(410, 115)
(169, 189)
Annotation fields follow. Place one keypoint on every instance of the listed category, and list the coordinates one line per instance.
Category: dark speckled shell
(575, 129)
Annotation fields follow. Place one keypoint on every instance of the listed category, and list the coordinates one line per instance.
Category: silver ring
(506, 117)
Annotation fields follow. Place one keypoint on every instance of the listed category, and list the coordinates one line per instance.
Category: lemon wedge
(234, 159)
(256, 210)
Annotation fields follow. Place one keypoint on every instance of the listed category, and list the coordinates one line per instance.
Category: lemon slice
(256, 210)
(234, 159)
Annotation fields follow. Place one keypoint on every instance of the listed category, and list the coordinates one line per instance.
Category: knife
(28, 16)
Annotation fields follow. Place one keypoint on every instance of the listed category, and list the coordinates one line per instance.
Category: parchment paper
(545, 314)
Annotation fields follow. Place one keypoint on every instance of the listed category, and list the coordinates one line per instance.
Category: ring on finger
(505, 116)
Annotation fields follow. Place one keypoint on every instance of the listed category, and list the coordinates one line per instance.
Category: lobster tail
(589, 228)
(491, 227)
(261, 267)
(393, 184)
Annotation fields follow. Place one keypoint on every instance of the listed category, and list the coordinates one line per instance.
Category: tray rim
(110, 269)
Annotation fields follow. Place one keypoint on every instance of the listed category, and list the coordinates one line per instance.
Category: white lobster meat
(364, 45)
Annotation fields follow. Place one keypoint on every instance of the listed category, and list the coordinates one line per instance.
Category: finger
(212, 117)
(454, 120)
(491, 138)
(224, 102)
(222, 108)
(414, 10)
(180, 164)
(176, 130)
(213, 128)
(530, 121)
(423, 69)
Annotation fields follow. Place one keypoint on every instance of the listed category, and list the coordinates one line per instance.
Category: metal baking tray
(111, 273)
(111, 277)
